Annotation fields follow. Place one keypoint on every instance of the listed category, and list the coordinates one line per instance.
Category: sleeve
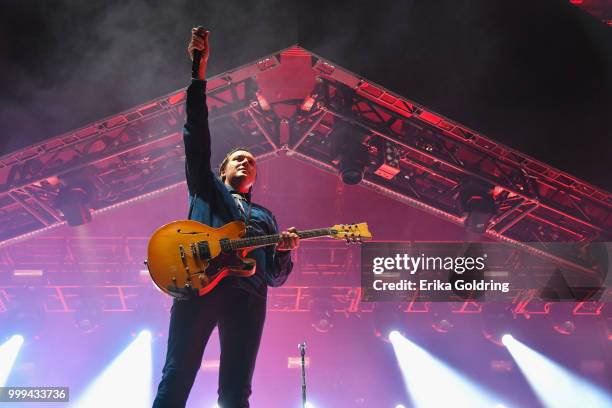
(280, 263)
(196, 137)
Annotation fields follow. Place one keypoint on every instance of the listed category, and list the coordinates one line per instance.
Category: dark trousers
(240, 317)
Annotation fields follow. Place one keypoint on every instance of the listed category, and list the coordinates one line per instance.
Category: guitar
(187, 258)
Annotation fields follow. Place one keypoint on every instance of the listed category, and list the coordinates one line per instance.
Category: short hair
(225, 160)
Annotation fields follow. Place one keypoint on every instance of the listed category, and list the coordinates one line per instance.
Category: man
(237, 305)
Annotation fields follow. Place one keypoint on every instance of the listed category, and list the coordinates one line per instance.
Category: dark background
(536, 76)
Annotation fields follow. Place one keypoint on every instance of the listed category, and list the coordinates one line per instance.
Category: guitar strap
(191, 204)
(239, 202)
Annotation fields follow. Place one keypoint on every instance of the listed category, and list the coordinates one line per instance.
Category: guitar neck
(265, 240)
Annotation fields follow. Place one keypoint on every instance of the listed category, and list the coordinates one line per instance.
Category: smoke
(69, 63)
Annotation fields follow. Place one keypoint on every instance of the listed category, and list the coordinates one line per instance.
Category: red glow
(262, 101)
(307, 104)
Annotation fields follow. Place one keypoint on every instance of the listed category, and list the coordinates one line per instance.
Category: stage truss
(289, 104)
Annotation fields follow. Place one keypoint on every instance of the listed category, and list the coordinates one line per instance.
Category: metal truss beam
(138, 153)
(345, 300)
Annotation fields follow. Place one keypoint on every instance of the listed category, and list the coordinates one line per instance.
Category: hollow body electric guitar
(187, 258)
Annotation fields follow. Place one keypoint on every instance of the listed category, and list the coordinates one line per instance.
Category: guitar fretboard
(264, 240)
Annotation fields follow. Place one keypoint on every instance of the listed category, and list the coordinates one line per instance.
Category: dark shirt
(212, 202)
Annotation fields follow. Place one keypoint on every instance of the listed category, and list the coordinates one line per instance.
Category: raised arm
(196, 134)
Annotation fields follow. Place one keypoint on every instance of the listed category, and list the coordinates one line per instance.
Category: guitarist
(237, 306)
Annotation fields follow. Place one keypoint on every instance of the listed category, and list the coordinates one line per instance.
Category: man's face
(240, 171)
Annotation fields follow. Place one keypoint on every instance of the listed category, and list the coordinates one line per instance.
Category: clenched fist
(289, 240)
(199, 41)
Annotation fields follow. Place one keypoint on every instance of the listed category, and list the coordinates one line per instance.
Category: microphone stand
(302, 348)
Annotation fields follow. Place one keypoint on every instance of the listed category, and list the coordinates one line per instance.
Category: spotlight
(475, 199)
(563, 318)
(442, 326)
(567, 327)
(322, 314)
(26, 314)
(349, 150)
(553, 384)
(88, 315)
(150, 312)
(389, 320)
(440, 315)
(127, 380)
(263, 102)
(389, 156)
(8, 354)
(497, 320)
(308, 103)
(506, 338)
(423, 373)
(74, 201)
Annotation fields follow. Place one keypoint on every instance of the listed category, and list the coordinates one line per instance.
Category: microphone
(197, 55)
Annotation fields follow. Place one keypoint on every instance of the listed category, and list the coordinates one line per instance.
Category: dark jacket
(212, 203)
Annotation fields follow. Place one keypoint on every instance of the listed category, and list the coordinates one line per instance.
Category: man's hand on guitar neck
(289, 240)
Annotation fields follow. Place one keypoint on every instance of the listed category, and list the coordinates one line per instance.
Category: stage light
(127, 381)
(562, 317)
(506, 338)
(498, 319)
(554, 385)
(309, 405)
(263, 102)
(388, 317)
(349, 151)
(566, 327)
(441, 318)
(322, 314)
(352, 164)
(388, 160)
(74, 201)
(26, 314)
(149, 311)
(8, 354)
(475, 200)
(432, 383)
(28, 272)
(399, 406)
(308, 103)
(394, 335)
(28, 277)
(88, 313)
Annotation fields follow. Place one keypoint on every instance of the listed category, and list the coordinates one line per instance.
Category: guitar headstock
(351, 232)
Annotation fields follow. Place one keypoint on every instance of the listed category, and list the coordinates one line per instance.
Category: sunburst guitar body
(187, 258)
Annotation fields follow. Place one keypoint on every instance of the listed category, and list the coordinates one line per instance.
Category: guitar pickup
(204, 250)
